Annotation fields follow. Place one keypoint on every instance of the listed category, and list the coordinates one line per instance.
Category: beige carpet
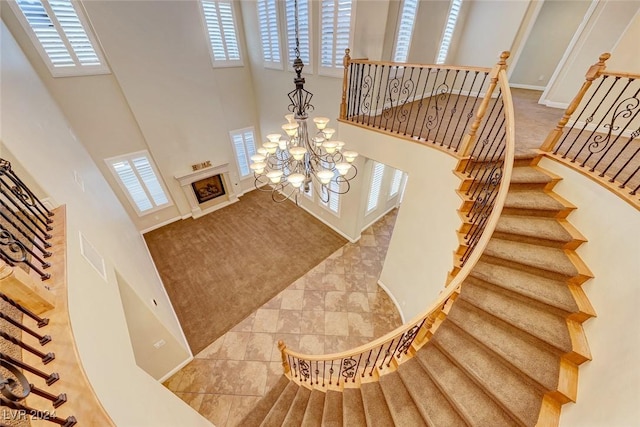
(221, 267)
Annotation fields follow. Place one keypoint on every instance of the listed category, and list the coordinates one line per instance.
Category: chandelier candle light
(294, 164)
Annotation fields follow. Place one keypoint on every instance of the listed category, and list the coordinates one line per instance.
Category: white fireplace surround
(197, 209)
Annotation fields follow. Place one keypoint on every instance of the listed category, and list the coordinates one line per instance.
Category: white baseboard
(531, 87)
(554, 104)
(382, 285)
(330, 225)
(163, 223)
(176, 369)
(379, 217)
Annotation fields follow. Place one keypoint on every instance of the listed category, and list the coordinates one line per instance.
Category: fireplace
(207, 189)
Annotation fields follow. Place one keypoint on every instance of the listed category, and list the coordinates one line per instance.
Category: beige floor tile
(192, 399)
(290, 340)
(240, 406)
(312, 344)
(313, 300)
(335, 301)
(216, 408)
(266, 320)
(334, 282)
(247, 377)
(289, 321)
(357, 302)
(234, 346)
(335, 344)
(274, 302)
(291, 299)
(360, 324)
(336, 323)
(245, 325)
(212, 350)
(312, 322)
(259, 346)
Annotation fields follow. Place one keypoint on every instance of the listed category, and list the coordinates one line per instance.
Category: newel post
(285, 364)
(343, 104)
(470, 138)
(592, 74)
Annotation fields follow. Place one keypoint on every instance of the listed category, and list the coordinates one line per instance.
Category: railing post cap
(605, 56)
(281, 345)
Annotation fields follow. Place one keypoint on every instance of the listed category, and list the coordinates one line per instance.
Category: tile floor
(335, 306)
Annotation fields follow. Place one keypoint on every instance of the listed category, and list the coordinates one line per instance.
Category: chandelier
(296, 163)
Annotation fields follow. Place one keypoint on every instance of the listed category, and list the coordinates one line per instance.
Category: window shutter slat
(447, 35)
(374, 189)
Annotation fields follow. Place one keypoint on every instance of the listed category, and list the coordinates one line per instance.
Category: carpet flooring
(221, 267)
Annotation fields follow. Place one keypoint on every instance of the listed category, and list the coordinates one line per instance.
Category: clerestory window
(62, 36)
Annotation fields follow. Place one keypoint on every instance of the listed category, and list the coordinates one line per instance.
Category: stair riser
(561, 214)
(533, 270)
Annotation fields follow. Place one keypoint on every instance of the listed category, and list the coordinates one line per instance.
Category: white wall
(609, 385)
(550, 35)
(421, 249)
(606, 26)
(37, 133)
(487, 28)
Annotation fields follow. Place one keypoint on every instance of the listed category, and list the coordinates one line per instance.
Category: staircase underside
(506, 354)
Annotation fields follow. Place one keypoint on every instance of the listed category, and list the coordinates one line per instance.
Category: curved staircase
(507, 352)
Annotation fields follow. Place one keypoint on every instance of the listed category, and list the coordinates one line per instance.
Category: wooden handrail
(411, 65)
(431, 312)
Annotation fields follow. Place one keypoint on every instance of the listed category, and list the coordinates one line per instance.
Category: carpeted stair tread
(298, 407)
(401, 406)
(375, 407)
(313, 413)
(543, 258)
(529, 175)
(547, 291)
(531, 200)
(473, 404)
(260, 411)
(432, 404)
(538, 322)
(512, 390)
(353, 408)
(279, 410)
(533, 357)
(332, 413)
(533, 227)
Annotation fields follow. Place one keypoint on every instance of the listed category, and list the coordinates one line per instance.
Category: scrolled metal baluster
(353, 380)
(34, 242)
(348, 369)
(331, 373)
(305, 372)
(386, 354)
(43, 233)
(472, 111)
(413, 102)
(46, 358)
(22, 192)
(373, 366)
(16, 252)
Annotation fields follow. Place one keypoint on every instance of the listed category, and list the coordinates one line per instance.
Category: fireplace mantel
(199, 209)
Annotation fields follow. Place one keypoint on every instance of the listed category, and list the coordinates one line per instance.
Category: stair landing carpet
(221, 267)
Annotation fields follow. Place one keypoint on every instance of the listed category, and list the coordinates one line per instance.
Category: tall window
(268, 21)
(335, 35)
(447, 34)
(395, 183)
(303, 31)
(405, 30)
(62, 36)
(223, 35)
(138, 178)
(245, 146)
(376, 183)
(332, 197)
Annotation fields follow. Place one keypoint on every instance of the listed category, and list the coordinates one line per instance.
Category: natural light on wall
(405, 30)
(62, 36)
(447, 34)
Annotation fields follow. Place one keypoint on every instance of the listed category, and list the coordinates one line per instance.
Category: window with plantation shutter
(138, 177)
(335, 34)
(376, 182)
(268, 21)
(333, 203)
(395, 183)
(303, 32)
(60, 33)
(447, 34)
(244, 145)
(405, 30)
(223, 35)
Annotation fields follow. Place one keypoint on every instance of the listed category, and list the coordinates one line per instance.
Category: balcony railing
(598, 134)
(379, 96)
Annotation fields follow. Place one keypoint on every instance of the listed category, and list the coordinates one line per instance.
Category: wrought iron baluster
(630, 176)
(49, 378)
(446, 106)
(31, 239)
(42, 262)
(587, 121)
(416, 86)
(420, 104)
(378, 91)
(428, 121)
(44, 235)
(386, 354)
(373, 90)
(373, 366)
(46, 358)
(471, 113)
(22, 193)
(339, 372)
(384, 98)
(42, 321)
(454, 109)
(56, 401)
(366, 364)
(353, 380)
(350, 96)
(42, 339)
(331, 373)
(324, 372)
(463, 109)
(17, 253)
